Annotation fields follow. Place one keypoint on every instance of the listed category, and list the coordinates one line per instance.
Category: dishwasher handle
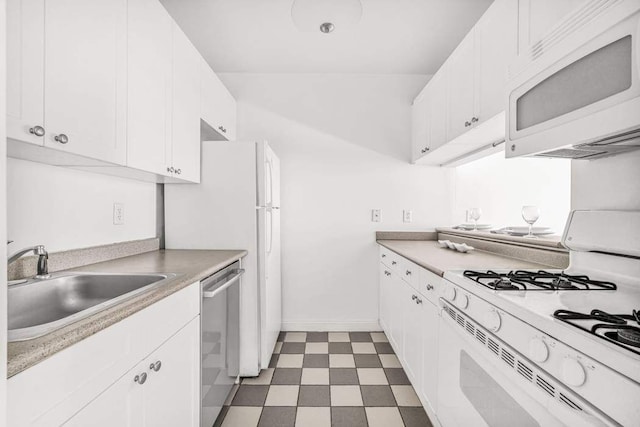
(215, 289)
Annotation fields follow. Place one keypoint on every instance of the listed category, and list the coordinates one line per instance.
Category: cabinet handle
(384, 255)
(37, 131)
(467, 124)
(62, 138)
(141, 378)
(178, 171)
(222, 129)
(387, 273)
(418, 300)
(474, 120)
(424, 150)
(156, 366)
(414, 297)
(429, 287)
(393, 263)
(407, 273)
(170, 170)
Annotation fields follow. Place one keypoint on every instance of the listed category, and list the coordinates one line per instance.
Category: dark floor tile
(250, 395)
(317, 337)
(314, 395)
(278, 416)
(340, 348)
(221, 415)
(383, 348)
(367, 361)
(415, 417)
(274, 360)
(292, 348)
(286, 376)
(343, 376)
(360, 337)
(281, 336)
(377, 395)
(348, 417)
(396, 376)
(315, 361)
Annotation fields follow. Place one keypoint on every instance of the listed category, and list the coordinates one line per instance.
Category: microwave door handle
(212, 291)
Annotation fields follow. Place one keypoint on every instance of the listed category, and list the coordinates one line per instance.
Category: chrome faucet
(43, 259)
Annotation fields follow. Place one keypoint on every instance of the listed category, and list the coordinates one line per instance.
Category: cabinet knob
(424, 150)
(429, 287)
(387, 273)
(140, 378)
(393, 263)
(407, 273)
(467, 124)
(384, 255)
(414, 297)
(222, 129)
(170, 169)
(474, 120)
(156, 366)
(37, 131)
(62, 138)
(178, 171)
(418, 300)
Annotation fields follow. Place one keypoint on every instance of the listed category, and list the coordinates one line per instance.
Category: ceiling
(393, 36)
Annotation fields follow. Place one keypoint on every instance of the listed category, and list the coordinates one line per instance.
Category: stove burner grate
(521, 280)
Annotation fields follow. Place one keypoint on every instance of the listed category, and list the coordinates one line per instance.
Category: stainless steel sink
(40, 306)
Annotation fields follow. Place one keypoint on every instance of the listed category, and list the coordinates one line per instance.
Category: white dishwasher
(220, 339)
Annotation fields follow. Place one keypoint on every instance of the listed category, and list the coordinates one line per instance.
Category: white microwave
(579, 95)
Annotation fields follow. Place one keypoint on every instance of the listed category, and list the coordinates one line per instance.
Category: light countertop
(189, 265)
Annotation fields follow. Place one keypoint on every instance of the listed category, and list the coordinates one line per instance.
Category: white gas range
(545, 348)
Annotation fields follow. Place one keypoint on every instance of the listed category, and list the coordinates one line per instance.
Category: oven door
(483, 382)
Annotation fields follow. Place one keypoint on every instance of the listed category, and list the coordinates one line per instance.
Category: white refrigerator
(237, 206)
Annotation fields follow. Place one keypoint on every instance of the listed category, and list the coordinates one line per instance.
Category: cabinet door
(496, 46)
(218, 107)
(461, 98)
(437, 114)
(25, 69)
(186, 108)
(385, 303)
(85, 77)
(429, 321)
(413, 309)
(420, 131)
(171, 394)
(119, 405)
(149, 86)
(397, 297)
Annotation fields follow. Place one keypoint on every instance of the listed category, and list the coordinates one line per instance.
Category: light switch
(407, 216)
(375, 215)
(118, 213)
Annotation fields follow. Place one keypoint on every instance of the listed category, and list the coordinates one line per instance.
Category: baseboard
(323, 326)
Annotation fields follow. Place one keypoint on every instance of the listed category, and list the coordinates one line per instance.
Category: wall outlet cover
(375, 215)
(407, 216)
(118, 214)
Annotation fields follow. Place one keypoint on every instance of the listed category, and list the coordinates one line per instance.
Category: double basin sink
(40, 306)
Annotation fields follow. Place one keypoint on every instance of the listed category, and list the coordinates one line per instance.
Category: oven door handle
(214, 290)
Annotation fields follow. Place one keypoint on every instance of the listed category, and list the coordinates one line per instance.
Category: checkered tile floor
(327, 379)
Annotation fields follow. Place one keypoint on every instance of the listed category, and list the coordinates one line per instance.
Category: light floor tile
(389, 361)
(295, 337)
(363, 348)
(313, 417)
(242, 416)
(372, 376)
(405, 395)
(339, 337)
(317, 348)
(290, 361)
(315, 376)
(346, 395)
(384, 417)
(341, 361)
(278, 348)
(282, 395)
(263, 379)
(379, 337)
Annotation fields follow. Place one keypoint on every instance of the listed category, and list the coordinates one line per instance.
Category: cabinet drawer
(410, 273)
(429, 285)
(57, 387)
(391, 259)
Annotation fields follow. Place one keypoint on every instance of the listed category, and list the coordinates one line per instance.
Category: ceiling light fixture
(327, 15)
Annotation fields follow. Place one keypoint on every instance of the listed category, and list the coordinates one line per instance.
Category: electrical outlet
(118, 213)
(407, 216)
(375, 215)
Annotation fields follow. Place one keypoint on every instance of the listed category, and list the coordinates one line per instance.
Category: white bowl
(451, 245)
(463, 247)
(443, 243)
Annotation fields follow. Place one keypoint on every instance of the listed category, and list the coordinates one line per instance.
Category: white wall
(609, 183)
(65, 209)
(500, 187)
(3, 219)
(343, 142)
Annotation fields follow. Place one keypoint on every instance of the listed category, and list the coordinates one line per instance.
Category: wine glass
(530, 214)
(474, 214)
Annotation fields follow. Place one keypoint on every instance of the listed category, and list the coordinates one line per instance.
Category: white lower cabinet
(162, 390)
(409, 317)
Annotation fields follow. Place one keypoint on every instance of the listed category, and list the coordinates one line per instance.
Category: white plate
(523, 231)
(463, 247)
(467, 226)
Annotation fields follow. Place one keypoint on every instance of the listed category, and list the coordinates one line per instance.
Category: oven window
(597, 76)
(493, 403)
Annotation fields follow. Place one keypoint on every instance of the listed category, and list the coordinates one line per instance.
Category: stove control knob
(450, 293)
(573, 373)
(462, 301)
(538, 350)
(492, 320)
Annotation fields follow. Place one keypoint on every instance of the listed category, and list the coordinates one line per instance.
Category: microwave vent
(573, 22)
(571, 153)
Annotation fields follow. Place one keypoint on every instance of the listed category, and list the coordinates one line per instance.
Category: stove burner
(599, 315)
(503, 284)
(560, 283)
(630, 336)
(540, 280)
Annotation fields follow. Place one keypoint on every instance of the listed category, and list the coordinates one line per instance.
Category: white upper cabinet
(438, 111)
(462, 98)
(218, 106)
(77, 102)
(185, 140)
(420, 124)
(149, 83)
